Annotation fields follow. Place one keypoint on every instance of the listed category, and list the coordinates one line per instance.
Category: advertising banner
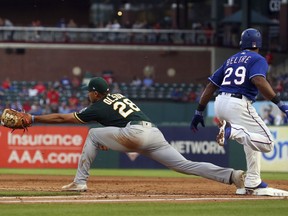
(277, 160)
(200, 146)
(42, 147)
(61, 146)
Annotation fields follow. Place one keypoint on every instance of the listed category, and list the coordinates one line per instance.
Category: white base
(262, 192)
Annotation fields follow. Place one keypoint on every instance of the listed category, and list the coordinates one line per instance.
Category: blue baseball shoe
(261, 185)
(224, 132)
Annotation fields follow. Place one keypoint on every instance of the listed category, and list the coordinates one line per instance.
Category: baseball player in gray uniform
(128, 129)
(238, 81)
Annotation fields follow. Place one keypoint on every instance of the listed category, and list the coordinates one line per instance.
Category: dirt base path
(128, 188)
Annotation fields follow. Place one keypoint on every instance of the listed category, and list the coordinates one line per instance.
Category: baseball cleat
(270, 192)
(251, 190)
(262, 190)
(237, 178)
(75, 187)
(224, 132)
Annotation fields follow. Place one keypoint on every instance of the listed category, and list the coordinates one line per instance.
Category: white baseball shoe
(237, 178)
(262, 190)
(224, 132)
(75, 187)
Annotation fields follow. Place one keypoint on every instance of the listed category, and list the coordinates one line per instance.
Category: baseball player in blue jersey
(238, 81)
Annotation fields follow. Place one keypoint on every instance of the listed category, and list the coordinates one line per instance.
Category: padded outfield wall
(60, 146)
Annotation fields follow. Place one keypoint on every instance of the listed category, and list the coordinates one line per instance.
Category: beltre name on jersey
(235, 60)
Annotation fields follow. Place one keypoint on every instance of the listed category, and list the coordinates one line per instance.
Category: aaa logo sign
(50, 147)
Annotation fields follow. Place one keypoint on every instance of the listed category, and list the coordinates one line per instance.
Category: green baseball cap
(97, 84)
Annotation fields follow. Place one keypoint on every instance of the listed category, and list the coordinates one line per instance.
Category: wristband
(197, 112)
(275, 100)
(281, 103)
(32, 118)
(201, 107)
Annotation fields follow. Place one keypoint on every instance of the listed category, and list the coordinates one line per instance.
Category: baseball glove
(16, 120)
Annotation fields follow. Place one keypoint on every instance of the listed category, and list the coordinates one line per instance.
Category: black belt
(235, 95)
(143, 123)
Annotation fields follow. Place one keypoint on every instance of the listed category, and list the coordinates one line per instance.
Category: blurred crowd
(71, 23)
(166, 23)
(43, 97)
(66, 95)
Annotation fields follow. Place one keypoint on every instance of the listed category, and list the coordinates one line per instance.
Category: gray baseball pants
(149, 141)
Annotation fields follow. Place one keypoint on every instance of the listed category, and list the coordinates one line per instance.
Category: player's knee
(90, 132)
(269, 147)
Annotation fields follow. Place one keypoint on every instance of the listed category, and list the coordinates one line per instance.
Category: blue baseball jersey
(235, 75)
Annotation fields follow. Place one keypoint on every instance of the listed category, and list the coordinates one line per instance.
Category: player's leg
(253, 162)
(128, 139)
(165, 154)
(253, 158)
(89, 152)
(241, 112)
(256, 141)
(111, 137)
(152, 143)
(97, 138)
(247, 127)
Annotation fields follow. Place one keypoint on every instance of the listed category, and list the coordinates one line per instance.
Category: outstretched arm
(55, 118)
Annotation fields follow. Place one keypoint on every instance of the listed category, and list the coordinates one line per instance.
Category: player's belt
(235, 95)
(143, 123)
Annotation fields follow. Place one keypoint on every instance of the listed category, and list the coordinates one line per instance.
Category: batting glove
(197, 118)
(283, 107)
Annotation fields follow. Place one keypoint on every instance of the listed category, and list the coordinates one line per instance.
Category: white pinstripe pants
(248, 129)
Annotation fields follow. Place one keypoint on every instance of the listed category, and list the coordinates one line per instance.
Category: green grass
(240, 208)
(96, 172)
(234, 208)
(125, 172)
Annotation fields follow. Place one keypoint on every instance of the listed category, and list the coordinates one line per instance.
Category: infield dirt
(130, 187)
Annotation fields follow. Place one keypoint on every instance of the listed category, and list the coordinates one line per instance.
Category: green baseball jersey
(113, 110)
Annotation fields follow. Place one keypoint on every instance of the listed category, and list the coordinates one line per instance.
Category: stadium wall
(52, 62)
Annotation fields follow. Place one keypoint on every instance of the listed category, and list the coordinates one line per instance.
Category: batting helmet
(250, 38)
